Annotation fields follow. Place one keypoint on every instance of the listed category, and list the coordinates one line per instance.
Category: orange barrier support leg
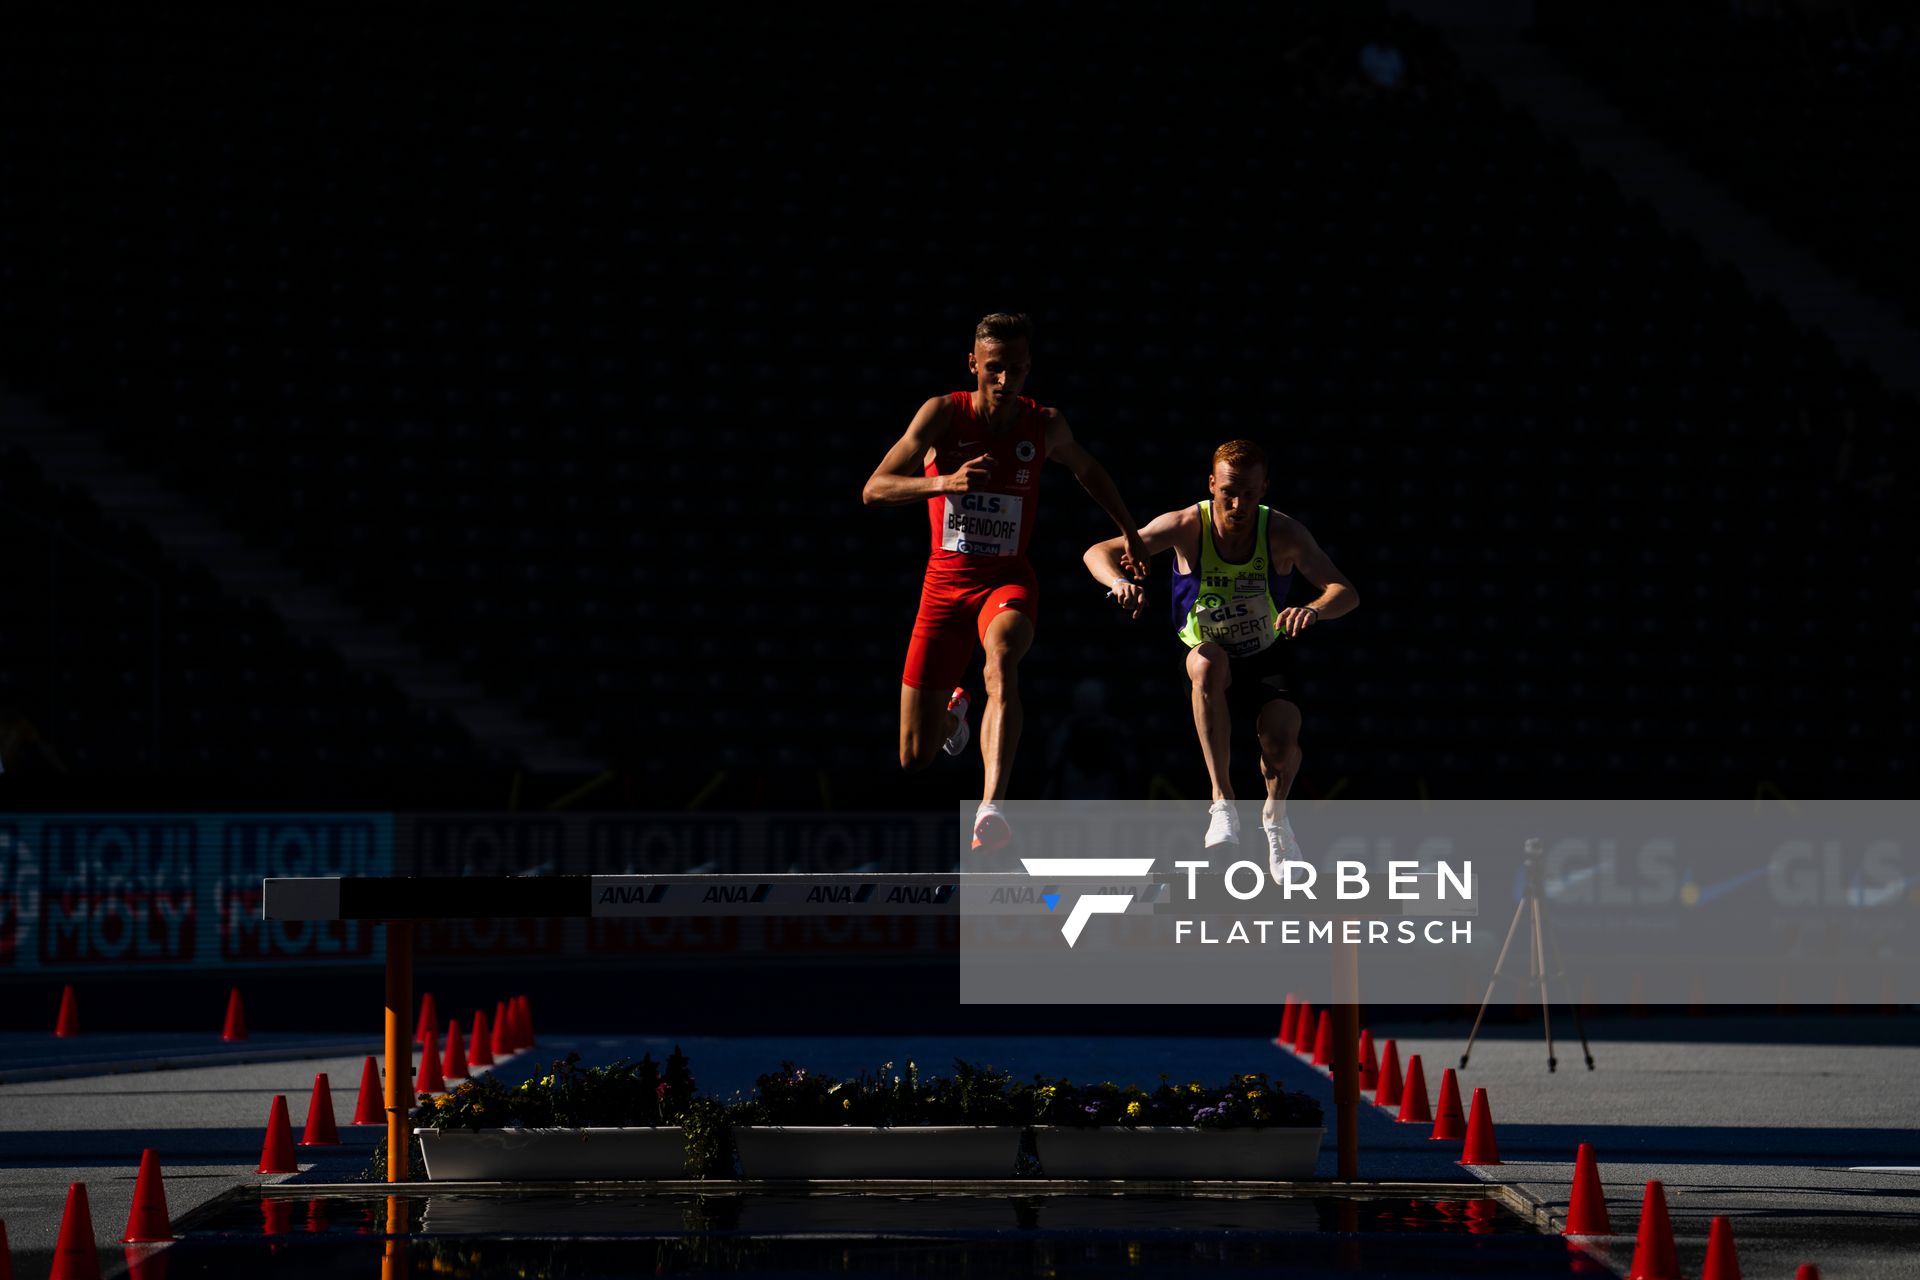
(399, 1046)
(1346, 1059)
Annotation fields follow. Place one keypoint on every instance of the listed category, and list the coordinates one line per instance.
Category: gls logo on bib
(983, 524)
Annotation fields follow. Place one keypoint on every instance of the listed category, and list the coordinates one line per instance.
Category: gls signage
(988, 502)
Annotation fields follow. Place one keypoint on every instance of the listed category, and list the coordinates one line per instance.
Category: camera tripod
(1538, 975)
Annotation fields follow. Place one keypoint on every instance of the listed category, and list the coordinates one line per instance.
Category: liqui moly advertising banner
(93, 892)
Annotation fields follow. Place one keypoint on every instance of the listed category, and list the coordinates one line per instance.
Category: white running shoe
(1282, 848)
(1223, 824)
(991, 830)
(962, 734)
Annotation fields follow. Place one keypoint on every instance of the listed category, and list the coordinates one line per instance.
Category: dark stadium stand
(1794, 108)
(135, 664)
(567, 350)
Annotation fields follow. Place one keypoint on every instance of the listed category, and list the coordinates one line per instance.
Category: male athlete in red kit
(974, 457)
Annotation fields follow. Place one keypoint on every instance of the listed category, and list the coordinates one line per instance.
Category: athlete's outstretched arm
(899, 478)
(1169, 529)
(1291, 544)
(1062, 448)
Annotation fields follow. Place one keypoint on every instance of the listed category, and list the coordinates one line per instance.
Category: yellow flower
(846, 1104)
(1133, 1108)
(1194, 1087)
(1046, 1093)
(442, 1100)
(1253, 1093)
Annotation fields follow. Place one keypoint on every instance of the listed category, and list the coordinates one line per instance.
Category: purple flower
(1092, 1109)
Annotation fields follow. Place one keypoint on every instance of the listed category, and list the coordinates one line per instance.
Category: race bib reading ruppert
(1239, 624)
(983, 524)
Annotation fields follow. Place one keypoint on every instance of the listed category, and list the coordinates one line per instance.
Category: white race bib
(1240, 624)
(983, 524)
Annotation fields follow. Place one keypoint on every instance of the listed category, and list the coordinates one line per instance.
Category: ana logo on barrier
(1091, 904)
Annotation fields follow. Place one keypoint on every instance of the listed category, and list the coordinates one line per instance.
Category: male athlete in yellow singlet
(1233, 560)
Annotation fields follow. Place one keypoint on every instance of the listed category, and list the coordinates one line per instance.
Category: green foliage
(708, 1128)
(621, 1095)
(1245, 1102)
(974, 1095)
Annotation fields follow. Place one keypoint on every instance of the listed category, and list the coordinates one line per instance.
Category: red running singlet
(996, 522)
(978, 566)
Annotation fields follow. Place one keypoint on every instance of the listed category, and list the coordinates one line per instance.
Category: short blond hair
(1240, 455)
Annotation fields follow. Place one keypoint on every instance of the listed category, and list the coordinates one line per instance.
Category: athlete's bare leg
(1279, 730)
(925, 723)
(1207, 667)
(1007, 640)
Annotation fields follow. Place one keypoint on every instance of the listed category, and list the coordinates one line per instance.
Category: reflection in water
(393, 1253)
(548, 1234)
(276, 1216)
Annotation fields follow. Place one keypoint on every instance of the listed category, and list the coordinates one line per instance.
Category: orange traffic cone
(370, 1107)
(68, 1024)
(1387, 1092)
(1480, 1147)
(429, 1019)
(1303, 1028)
(1654, 1257)
(1413, 1096)
(236, 1025)
(1286, 1020)
(74, 1256)
(515, 1040)
(1449, 1122)
(276, 1153)
(148, 1223)
(276, 1216)
(1369, 1064)
(502, 1043)
(455, 1065)
(1807, 1271)
(479, 1050)
(430, 1080)
(1323, 1041)
(320, 1130)
(526, 1023)
(1723, 1263)
(1587, 1213)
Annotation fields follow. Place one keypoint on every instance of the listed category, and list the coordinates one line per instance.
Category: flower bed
(627, 1120)
(1246, 1128)
(638, 1120)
